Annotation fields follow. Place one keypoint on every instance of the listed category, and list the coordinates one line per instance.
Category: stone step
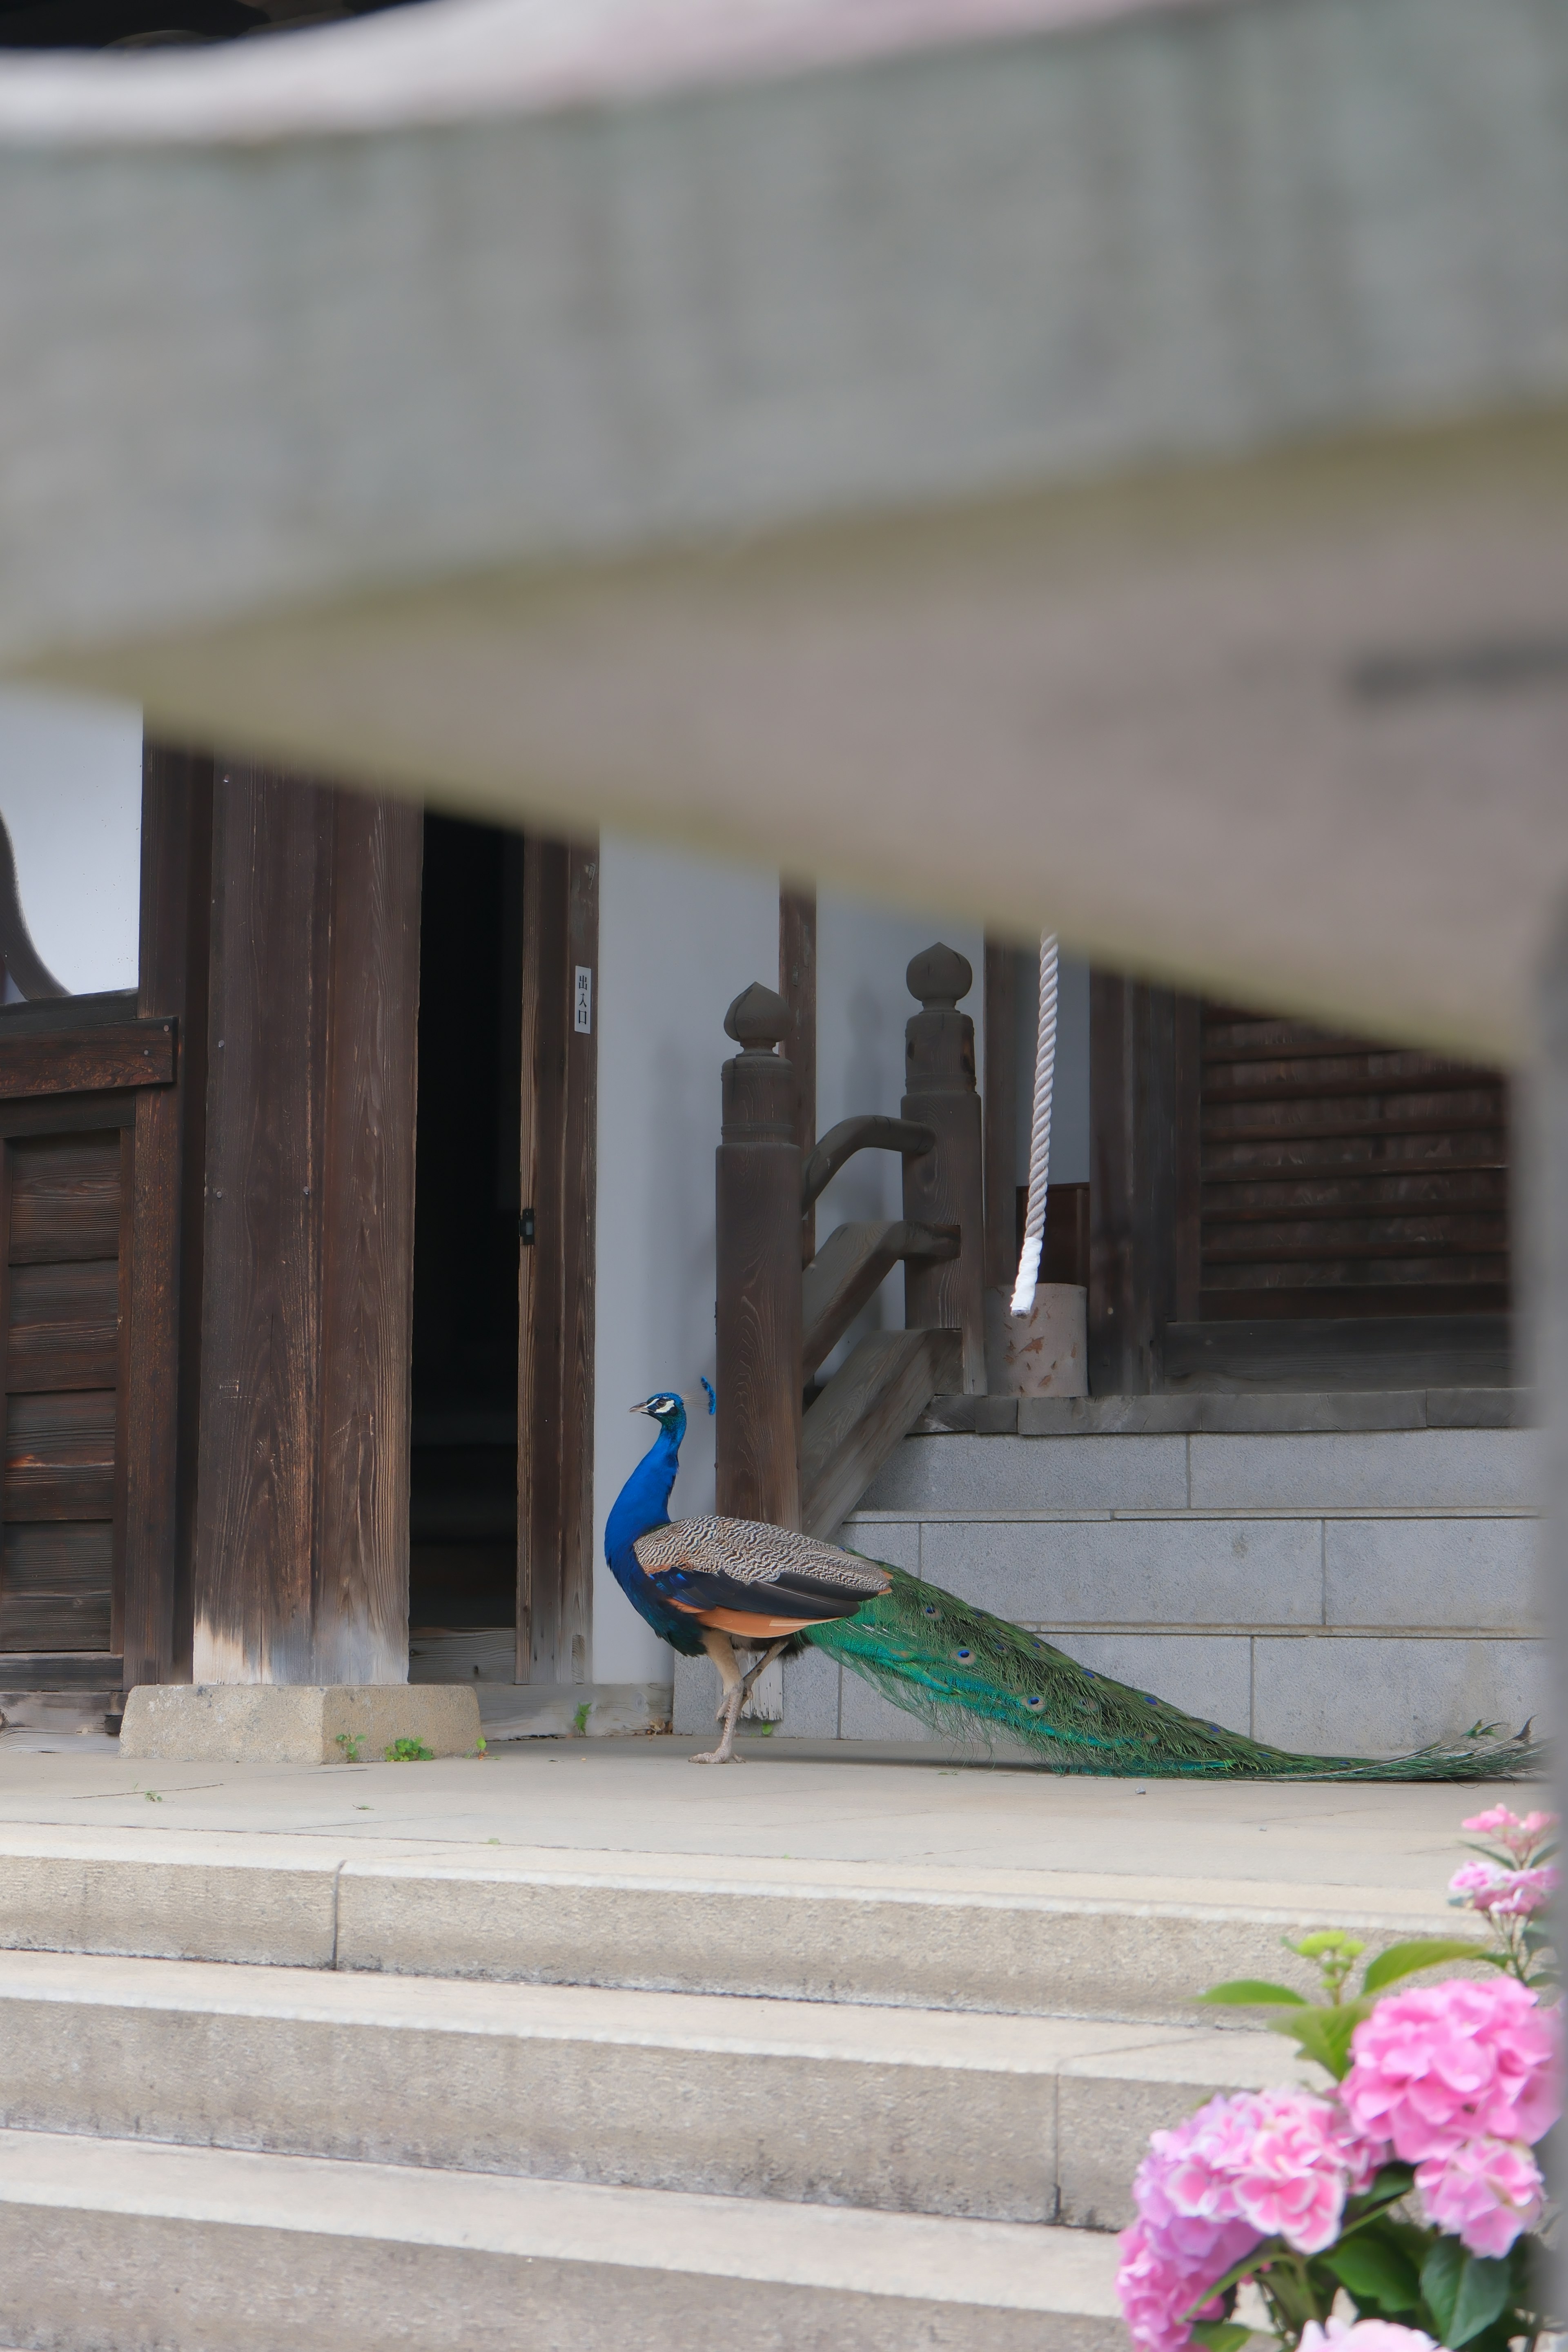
(107, 2245)
(1016, 2119)
(1031, 1943)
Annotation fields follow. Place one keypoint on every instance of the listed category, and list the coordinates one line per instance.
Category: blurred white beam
(1107, 472)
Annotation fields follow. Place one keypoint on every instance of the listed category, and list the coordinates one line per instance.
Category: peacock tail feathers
(965, 1672)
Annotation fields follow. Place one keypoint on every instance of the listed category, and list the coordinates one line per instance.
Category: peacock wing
(745, 1564)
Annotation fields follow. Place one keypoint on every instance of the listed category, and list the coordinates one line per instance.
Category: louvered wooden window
(64, 1201)
(1343, 1179)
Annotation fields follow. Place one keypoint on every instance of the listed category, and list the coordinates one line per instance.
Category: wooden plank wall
(1343, 1179)
(301, 1532)
(556, 1272)
(65, 1211)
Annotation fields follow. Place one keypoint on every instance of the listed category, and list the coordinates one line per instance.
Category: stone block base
(295, 1723)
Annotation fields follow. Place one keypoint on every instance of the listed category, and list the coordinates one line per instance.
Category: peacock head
(667, 1410)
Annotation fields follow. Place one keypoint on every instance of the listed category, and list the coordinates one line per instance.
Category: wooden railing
(776, 1325)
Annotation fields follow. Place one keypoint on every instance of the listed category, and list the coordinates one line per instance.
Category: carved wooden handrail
(757, 1308)
(849, 1268)
(866, 1132)
(775, 1326)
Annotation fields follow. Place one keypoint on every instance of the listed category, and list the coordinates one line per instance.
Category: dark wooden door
(87, 1219)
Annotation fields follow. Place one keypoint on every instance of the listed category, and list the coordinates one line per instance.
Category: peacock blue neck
(644, 1501)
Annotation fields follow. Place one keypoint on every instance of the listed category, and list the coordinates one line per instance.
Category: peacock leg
(766, 1659)
(721, 1650)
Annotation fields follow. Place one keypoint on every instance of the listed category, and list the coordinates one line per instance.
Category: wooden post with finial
(946, 1186)
(759, 1291)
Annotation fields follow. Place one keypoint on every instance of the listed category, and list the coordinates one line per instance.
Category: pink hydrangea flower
(1364, 2336)
(1157, 2290)
(1509, 1830)
(1493, 1822)
(1454, 2062)
(1523, 1892)
(1486, 2193)
(1515, 1894)
(1292, 2179)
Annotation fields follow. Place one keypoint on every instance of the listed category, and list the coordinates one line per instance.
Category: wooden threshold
(1381, 1351)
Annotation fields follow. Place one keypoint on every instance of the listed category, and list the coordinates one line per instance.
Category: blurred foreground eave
(1105, 467)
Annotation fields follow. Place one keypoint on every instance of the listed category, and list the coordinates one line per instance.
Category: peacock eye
(964, 1656)
(930, 1609)
(1036, 1703)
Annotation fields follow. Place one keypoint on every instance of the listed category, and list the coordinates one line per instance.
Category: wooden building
(309, 1362)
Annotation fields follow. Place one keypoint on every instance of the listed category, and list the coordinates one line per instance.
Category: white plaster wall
(862, 1006)
(71, 792)
(679, 938)
(1069, 1088)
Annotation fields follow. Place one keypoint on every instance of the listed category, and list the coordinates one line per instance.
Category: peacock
(708, 1585)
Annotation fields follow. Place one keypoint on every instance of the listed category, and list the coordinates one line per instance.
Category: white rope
(1039, 1132)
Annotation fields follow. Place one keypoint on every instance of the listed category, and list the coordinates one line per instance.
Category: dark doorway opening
(463, 1485)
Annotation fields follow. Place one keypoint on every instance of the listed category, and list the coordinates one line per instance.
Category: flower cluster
(1516, 1883)
(1460, 2081)
(1254, 2166)
(1364, 2336)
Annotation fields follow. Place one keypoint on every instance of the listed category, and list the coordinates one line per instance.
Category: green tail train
(965, 1672)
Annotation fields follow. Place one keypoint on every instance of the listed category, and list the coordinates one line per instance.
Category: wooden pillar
(555, 1320)
(166, 1283)
(1001, 1124)
(1142, 1053)
(758, 1288)
(946, 1186)
(797, 986)
(301, 1542)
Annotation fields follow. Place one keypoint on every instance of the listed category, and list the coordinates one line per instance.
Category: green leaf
(1219, 2335)
(1244, 1993)
(1256, 2259)
(1390, 2183)
(1464, 2292)
(1424, 1952)
(1376, 2271)
(1325, 2033)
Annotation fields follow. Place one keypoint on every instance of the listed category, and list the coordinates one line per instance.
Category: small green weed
(349, 1746)
(410, 1751)
(580, 1720)
(481, 1747)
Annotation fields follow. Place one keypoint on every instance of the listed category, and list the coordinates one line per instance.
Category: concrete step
(1016, 2119)
(1032, 1943)
(107, 2245)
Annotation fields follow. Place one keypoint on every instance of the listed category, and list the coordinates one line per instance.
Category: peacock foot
(725, 1751)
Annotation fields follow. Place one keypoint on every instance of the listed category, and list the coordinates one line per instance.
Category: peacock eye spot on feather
(964, 1656)
(1148, 1698)
(1036, 1703)
(930, 1609)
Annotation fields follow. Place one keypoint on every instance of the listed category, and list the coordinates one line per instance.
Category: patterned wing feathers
(749, 1552)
